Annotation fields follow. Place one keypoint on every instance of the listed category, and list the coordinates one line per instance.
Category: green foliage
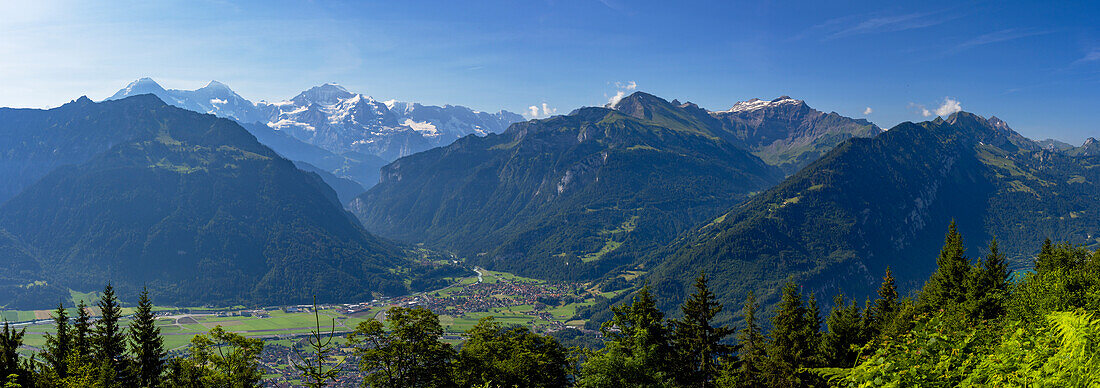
(146, 344)
(988, 289)
(636, 351)
(82, 328)
(947, 286)
(410, 354)
(510, 357)
(1039, 332)
(108, 337)
(848, 331)
(698, 344)
(748, 370)
(794, 341)
(58, 345)
(885, 308)
(15, 372)
(218, 359)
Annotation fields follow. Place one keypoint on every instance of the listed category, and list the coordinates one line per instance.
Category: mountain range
(869, 204)
(140, 193)
(205, 197)
(576, 196)
(347, 134)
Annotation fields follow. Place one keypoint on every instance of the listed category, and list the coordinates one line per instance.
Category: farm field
(510, 299)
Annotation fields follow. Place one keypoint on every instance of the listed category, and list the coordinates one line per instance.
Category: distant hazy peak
(326, 94)
(144, 85)
(216, 85)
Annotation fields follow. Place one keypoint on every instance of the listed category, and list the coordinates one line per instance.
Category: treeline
(972, 324)
(102, 353)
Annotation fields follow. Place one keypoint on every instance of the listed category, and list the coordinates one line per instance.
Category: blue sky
(1035, 65)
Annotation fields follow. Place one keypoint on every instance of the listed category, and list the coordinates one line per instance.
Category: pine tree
(752, 353)
(82, 336)
(886, 306)
(989, 286)
(1046, 259)
(813, 328)
(946, 289)
(698, 345)
(146, 344)
(637, 350)
(846, 330)
(12, 371)
(793, 343)
(59, 345)
(109, 339)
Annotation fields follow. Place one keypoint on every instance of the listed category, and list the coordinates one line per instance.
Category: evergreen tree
(946, 289)
(82, 336)
(753, 352)
(793, 343)
(846, 333)
(12, 371)
(989, 286)
(146, 344)
(109, 339)
(698, 345)
(813, 329)
(637, 352)
(58, 345)
(886, 306)
(1045, 261)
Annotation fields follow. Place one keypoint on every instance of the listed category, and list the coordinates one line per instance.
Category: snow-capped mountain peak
(331, 117)
(326, 94)
(144, 85)
(758, 104)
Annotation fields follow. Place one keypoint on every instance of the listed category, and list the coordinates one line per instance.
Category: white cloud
(215, 101)
(626, 85)
(615, 99)
(948, 107)
(623, 87)
(1091, 56)
(868, 111)
(539, 111)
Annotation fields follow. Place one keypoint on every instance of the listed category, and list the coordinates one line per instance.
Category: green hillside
(196, 209)
(569, 197)
(883, 202)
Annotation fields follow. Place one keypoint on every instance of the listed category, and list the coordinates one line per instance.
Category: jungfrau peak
(331, 117)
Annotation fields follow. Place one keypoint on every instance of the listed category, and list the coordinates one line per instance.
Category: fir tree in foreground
(146, 344)
(699, 345)
(58, 345)
(109, 338)
(82, 336)
(947, 286)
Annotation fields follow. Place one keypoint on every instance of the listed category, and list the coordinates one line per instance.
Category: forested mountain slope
(568, 197)
(191, 206)
(869, 204)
